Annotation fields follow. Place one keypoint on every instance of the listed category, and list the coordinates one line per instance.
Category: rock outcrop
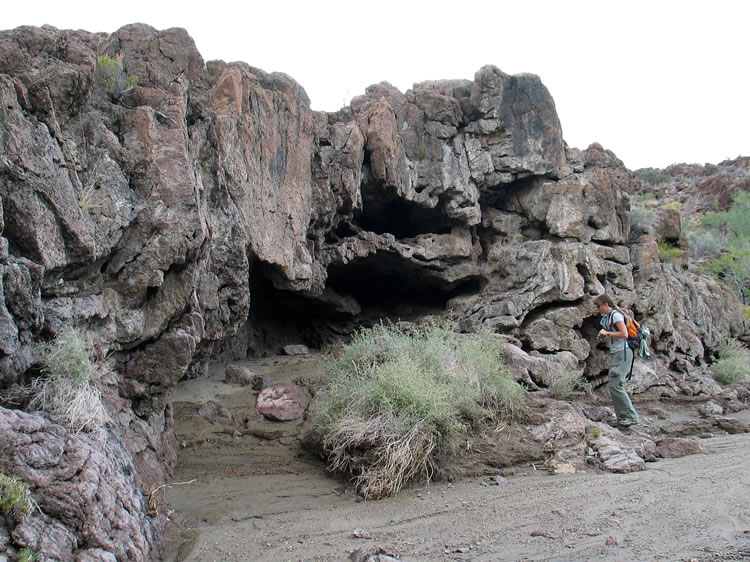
(208, 213)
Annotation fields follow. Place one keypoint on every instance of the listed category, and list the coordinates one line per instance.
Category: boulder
(674, 447)
(280, 402)
(296, 349)
(237, 374)
(216, 413)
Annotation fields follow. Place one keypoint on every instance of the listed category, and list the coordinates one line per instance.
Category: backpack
(637, 339)
(634, 332)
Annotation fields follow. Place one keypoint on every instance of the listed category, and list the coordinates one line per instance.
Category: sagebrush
(66, 390)
(398, 396)
(642, 219)
(733, 364)
(566, 385)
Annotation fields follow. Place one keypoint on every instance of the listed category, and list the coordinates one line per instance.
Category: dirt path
(254, 498)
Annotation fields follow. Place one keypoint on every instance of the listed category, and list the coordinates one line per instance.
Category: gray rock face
(209, 212)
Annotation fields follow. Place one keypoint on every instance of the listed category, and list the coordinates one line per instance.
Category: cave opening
(357, 294)
(280, 317)
(385, 213)
(387, 287)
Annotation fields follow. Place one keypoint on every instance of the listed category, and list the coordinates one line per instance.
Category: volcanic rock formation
(209, 213)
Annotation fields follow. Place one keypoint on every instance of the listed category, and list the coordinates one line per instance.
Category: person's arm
(621, 333)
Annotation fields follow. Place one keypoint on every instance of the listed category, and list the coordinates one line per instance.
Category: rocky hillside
(206, 213)
(697, 188)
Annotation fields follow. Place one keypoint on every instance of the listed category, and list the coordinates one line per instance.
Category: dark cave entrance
(385, 212)
(388, 287)
(280, 317)
(358, 294)
(401, 218)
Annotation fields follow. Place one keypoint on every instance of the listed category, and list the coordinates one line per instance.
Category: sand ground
(255, 494)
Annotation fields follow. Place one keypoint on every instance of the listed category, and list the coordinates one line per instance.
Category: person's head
(604, 304)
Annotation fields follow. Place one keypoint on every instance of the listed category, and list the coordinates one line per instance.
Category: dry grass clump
(66, 390)
(397, 397)
(567, 385)
(733, 364)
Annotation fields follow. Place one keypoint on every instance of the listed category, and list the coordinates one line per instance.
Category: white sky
(656, 81)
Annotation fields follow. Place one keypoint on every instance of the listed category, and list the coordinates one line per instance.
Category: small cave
(280, 317)
(388, 287)
(357, 294)
(504, 196)
(383, 212)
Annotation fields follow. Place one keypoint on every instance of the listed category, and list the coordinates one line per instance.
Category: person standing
(614, 328)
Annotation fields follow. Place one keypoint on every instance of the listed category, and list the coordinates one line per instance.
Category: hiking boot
(627, 423)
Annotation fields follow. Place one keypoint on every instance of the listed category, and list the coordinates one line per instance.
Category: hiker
(614, 328)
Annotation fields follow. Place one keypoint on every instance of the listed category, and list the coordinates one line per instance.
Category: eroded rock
(88, 493)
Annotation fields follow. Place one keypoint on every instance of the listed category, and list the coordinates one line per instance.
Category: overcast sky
(655, 81)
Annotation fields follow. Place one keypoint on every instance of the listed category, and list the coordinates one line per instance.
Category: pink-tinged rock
(280, 402)
(674, 447)
(612, 541)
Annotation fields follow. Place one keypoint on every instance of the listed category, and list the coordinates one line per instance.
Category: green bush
(676, 205)
(566, 385)
(66, 390)
(395, 397)
(15, 497)
(733, 364)
(26, 555)
(668, 252)
(111, 77)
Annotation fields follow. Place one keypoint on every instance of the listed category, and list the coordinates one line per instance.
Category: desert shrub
(668, 252)
(420, 151)
(15, 497)
(111, 77)
(642, 219)
(746, 312)
(653, 176)
(733, 364)
(645, 196)
(66, 390)
(676, 205)
(26, 555)
(702, 243)
(566, 385)
(396, 397)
